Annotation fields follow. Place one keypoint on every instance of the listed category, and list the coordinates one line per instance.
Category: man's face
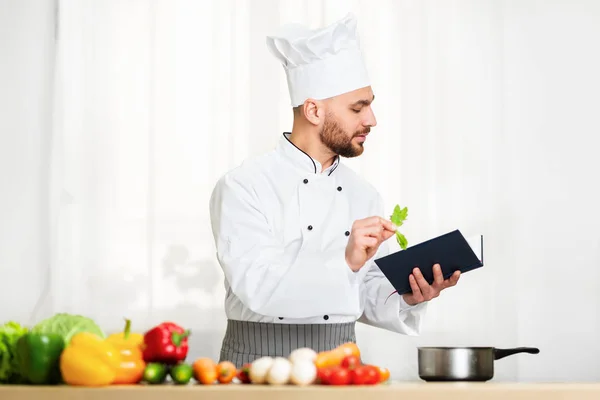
(348, 121)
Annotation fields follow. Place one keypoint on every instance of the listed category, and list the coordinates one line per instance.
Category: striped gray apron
(246, 341)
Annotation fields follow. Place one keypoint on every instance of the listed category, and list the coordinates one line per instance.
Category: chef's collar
(303, 160)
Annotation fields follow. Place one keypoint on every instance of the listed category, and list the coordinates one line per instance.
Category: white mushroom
(304, 372)
(279, 373)
(259, 369)
(303, 353)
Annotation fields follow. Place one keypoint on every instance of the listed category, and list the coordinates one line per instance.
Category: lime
(181, 373)
(155, 373)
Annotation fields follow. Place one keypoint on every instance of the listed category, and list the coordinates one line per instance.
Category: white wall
(552, 133)
(26, 40)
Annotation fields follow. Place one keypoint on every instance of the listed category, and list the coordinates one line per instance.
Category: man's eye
(356, 111)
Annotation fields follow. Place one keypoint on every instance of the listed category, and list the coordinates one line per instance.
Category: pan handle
(501, 353)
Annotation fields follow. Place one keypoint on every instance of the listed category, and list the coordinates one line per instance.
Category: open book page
(476, 243)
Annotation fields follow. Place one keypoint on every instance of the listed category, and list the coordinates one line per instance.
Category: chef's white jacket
(281, 226)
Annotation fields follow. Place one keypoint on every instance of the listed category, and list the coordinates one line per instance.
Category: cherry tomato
(350, 362)
(324, 375)
(372, 375)
(358, 375)
(365, 375)
(384, 374)
(339, 376)
(243, 374)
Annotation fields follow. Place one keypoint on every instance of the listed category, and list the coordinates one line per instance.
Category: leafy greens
(10, 332)
(398, 218)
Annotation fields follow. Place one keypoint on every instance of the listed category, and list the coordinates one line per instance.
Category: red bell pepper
(166, 343)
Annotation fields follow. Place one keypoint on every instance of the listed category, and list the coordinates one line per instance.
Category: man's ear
(313, 111)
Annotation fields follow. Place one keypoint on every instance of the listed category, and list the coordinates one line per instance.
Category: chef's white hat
(320, 63)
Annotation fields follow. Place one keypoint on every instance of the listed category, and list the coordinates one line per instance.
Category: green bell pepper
(39, 357)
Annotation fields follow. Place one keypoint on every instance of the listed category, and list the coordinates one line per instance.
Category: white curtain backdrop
(486, 123)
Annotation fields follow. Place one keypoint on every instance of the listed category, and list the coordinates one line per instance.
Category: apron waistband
(246, 341)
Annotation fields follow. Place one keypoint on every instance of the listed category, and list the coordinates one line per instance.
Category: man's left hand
(423, 291)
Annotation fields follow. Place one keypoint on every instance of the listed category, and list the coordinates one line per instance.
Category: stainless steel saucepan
(463, 363)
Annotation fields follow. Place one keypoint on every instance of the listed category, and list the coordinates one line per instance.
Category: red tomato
(384, 374)
(243, 374)
(365, 375)
(350, 362)
(339, 376)
(373, 375)
(358, 375)
(324, 375)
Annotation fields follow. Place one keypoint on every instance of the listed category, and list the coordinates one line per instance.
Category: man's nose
(370, 120)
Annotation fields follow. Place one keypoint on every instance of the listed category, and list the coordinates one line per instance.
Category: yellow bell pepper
(129, 346)
(127, 338)
(89, 360)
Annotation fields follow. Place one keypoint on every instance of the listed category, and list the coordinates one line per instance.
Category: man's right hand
(366, 236)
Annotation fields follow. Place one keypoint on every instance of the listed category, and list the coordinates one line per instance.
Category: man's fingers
(425, 288)
(388, 234)
(420, 278)
(375, 221)
(378, 231)
(361, 223)
(376, 227)
(422, 291)
(438, 278)
(388, 225)
(453, 280)
(416, 291)
(372, 230)
(368, 241)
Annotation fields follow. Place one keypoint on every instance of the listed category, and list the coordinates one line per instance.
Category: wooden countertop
(391, 391)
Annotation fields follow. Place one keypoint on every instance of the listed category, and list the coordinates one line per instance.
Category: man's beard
(334, 137)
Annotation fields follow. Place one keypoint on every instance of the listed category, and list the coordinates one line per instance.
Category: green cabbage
(10, 332)
(67, 325)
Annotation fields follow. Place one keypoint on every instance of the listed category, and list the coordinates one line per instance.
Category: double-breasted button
(326, 317)
(347, 233)
(339, 188)
(310, 227)
(305, 181)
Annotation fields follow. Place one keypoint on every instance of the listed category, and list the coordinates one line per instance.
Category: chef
(296, 231)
